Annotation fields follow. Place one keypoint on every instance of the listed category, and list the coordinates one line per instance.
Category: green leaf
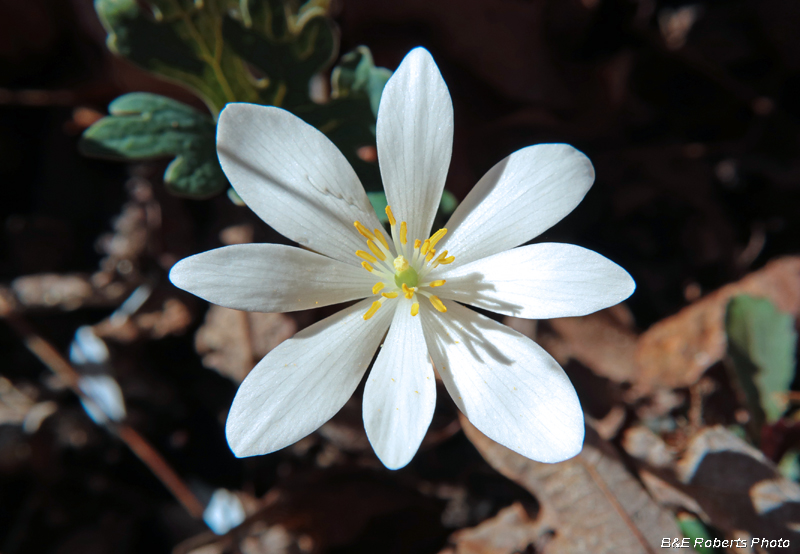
(260, 51)
(762, 343)
(348, 119)
(693, 528)
(789, 466)
(145, 126)
(447, 205)
(356, 75)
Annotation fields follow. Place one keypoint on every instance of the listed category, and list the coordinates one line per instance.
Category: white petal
(506, 384)
(303, 382)
(415, 141)
(518, 199)
(400, 392)
(270, 278)
(294, 178)
(539, 281)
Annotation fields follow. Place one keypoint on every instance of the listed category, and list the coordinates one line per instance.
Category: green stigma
(404, 273)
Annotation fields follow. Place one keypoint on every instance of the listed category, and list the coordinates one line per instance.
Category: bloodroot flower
(413, 283)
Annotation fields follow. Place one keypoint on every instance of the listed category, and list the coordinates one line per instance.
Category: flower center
(402, 269)
(404, 274)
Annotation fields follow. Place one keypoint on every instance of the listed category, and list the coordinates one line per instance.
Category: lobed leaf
(145, 126)
(259, 51)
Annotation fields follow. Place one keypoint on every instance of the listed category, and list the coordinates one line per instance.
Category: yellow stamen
(417, 244)
(407, 292)
(366, 266)
(365, 256)
(372, 310)
(430, 255)
(437, 303)
(403, 233)
(392, 294)
(437, 236)
(414, 308)
(390, 215)
(437, 283)
(400, 264)
(381, 238)
(379, 287)
(425, 247)
(443, 259)
(376, 251)
(363, 230)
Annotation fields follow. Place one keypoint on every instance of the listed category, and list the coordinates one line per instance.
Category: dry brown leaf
(511, 530)
(738, 487)
(66, 292)
(724, 480)
(656, 457)
(677, 350)
(19, 406)
(603, 341)
(593, 503)
(173, 318)
(232, 342)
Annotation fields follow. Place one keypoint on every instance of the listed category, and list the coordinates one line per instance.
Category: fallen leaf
(232, 342)
(721, 478)
(173, 318)
(511, 530)
(66, 292)
(654, 454)
(677, 350)
(603, 341)
(593, 503)
(738, 487)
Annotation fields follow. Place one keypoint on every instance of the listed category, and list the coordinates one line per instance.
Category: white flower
(296, 180)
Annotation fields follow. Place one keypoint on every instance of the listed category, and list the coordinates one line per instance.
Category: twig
(53, 359)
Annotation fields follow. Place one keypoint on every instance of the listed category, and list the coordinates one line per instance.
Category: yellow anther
(365, 256)
(372, 310)
(390, 215)
(443, 259)
(425, 247)
(417, 244)
(366, 266)
(363, 230)
(392, 294)
(378, 287)
(381, 238)
(437, 303)
(414, 308)
(400, 264)
(437, 236)
(408, 292)
(376, 251)
(438, 283)
(430, 255)
(403, 233)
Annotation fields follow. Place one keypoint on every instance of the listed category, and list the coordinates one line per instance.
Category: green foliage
(225, 50)
(447, 205)
(693, 528)
(146, 126)
(789, 466)
(357, 75)
(762, 343)
(259, 51)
